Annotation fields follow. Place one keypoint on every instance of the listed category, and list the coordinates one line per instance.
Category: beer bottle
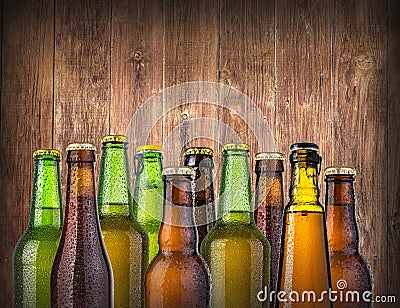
(304, 268)
(269, 205)
(81, 275)
(35, 250)
(201, 160)
(236, 251)
(349, 270)
(148, 192)
(178, 276)
(126, 241)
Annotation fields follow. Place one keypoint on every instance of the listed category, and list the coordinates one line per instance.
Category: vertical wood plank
(303, 72)
(190, 54)
(360, 126)
(247, 63)
(136, 65)
(26, 121)
(393, 157)
(81, 72)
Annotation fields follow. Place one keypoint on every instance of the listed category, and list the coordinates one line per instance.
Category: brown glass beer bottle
(178, 276)
(269, 205)
(201, 160)
(81, 275)
(350, 272)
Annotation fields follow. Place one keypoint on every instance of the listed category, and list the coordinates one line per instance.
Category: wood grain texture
(303, 78)
(26, 121)
(247, 63)
(393, 160)
(320, 71)
(190, 55)
(360, 126)
(136, 65)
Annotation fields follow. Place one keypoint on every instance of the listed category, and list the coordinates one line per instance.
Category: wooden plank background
(320, 71)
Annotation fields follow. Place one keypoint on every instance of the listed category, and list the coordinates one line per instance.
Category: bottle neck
(46, 208)
(80, 184)
(304, 182)
(114, 195)
(269, 184)
(177, 231)
(340, 214)
(235, 193)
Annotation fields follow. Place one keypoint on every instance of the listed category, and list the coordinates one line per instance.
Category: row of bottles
(100, 256)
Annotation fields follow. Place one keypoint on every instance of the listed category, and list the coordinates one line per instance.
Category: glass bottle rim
(149, 147)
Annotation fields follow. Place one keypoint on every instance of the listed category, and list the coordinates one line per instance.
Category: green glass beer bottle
(126, 241)
(35, 250)
(148, 193)
(236, 251)
(304, 265)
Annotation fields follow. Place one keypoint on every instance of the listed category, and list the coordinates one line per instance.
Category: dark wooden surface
(320, 71)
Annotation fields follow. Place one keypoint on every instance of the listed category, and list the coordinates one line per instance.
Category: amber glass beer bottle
(35, 250)
(81, 275)
(269, 205)
(126, 241)
(178, 275)
(304, 265)
(201, 160)
(349, 270)
(148, 193)
(236, 251)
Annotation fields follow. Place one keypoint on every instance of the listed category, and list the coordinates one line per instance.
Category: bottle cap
(179, 171)
(236, 146)
(269, 155)
(52, 152)
(304, 146)
(199, 150)
(149, 147)
(114, 138)
(340, 170)
(80, 146)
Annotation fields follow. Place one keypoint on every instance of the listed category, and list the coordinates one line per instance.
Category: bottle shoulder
(304, 205)
(190, 262)
(121, 224)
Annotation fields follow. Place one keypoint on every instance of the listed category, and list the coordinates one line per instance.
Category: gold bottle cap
(199, 150)
(52, 152)
(269, 155)
(179, 171)
(340, 170)
(236, 146)
(114, 138)
(80, 146)
(149, 147)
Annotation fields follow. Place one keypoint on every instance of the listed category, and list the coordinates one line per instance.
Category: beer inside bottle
(201, 160)
(125, 240)
(148, 192)
(81, 275)
(349, 270)
(236, 251)
(269, 205)
(35, 250)
(304, 265)
(178, 276)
